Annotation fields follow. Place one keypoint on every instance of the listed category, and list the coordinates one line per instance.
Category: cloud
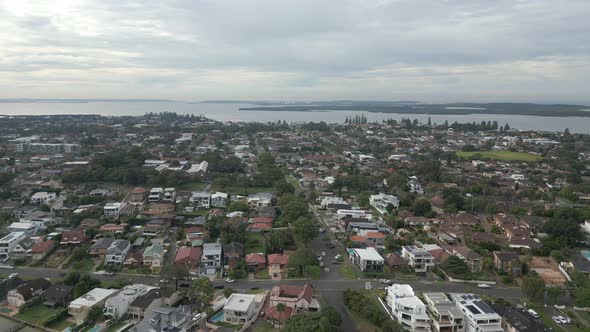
(432, 50)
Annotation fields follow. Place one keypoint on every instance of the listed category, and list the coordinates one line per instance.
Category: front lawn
(265, 327)
(86, 265)
(37, 314)
(350, 272)
(54, 260)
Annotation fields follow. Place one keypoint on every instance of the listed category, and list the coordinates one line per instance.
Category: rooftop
(239, 302)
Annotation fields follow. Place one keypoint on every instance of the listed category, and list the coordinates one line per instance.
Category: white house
(332, 201)
(169, 195)
(381, 201)
(415, 185)
(43, 197)
(219, 200)
(409, 311)
(9, 242)
(156, 194)
(360, 214)
(211, 258)
(201, 199)
(117, 252)
(117, 305)
(443, 314)
(418, 258)
(239, 308)
(113, 210)
(80, 307)
(368, 260)
(24, 227)
(478, 314)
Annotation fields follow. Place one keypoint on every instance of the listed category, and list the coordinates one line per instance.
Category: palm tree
(280, 309)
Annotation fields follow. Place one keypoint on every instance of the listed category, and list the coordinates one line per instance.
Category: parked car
(109, 273)
(483, 286)
(384, 281)
(12, 276)
(556, 319)
(228, 280)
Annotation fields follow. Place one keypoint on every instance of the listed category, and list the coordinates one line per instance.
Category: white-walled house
(43, 197)
(418, 258)
(409, 311)
(367, 260)
(239, 308)
(478, 314)
(9, 242)
(381, 201)
(219, 199)
(113, 210)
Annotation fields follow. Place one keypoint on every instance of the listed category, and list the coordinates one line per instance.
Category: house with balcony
(9, 242)
(407, 308)
(156, 194)
(153, 256)
(74, 237)
(137, 195)
(27, 291)
(382, 201)
(154, 298)
(277, 266)
(443, 314)
(160, 319)
(211, 258)
(80, 307)
(219, 200)
(43, 197)
(116, 306)
(418, 258)
(169, 195)
(367, 260)
(479, 316)
(117, 252)
(201, 199)
(113, 210)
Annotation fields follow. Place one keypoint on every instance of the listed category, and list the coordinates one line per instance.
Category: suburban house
(189, 256)
(117, 252)
(154, 298)
(367, 260)
(219, 200)
(478, 314)
(113, 210)
(294, 298)
(9, 242)
(29, 228)
(42, 197)
(201, 199)
(137, 195)
(58, 295)
(375, 239)
(153, 256)
(395, 262)
(160, 319)
(40, 250)
(409, 311)
(80, 307)
(133, 259)
(155, 227)
(22, 248)
(418, 258)
(113, 228)
(211, 258)
(443, 314)
(233, 253)
(382, 201)
(239, 308)
(277, 266)
(255, 262)
(73, 238)
(259, 200)
(26, 292)
(99, 248)
(9, 284)
(156, 194)
(472, 258)
(508, 261)
(117, 305)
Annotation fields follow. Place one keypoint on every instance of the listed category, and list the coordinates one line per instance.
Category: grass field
(37, 314)
(61, 325)
(265, 327)
(499, 155)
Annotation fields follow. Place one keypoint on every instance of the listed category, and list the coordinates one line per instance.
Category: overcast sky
(428, 50)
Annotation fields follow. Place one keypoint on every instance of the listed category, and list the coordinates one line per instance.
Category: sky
(426, 50)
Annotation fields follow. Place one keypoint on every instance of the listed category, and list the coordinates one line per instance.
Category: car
(319, 258)
(109, 273)
(483, 286)
(335, 262)
(228, 280)
(384, 281)
(337, 257)
(254, 288)
(322, 230)
(331, 245)
(556, 319)
(534, 313)
(321, 264)
(12, 276)
(323, 253)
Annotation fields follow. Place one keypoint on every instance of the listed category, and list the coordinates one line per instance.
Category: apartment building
(418, 258)
(409, 311)
(443, 314)
(156, 194)
(479, 316)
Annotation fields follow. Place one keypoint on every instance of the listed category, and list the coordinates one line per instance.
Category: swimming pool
(217, 318)
(96, 328)
(586, 254)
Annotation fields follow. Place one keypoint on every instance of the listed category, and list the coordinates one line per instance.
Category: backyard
(37, 314)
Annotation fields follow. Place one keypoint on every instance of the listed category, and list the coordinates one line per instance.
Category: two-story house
(153, 256)
(117, 252)
(26, 292)
(277, 266)
(211, 258)
(239, 308)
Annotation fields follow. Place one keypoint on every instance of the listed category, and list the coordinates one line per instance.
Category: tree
(280, 309)
(94, 314)
(305, 229)
(72, 278)
(533, 288)
(421, 207)
(457, 267)
(227, 292)
(238, 206)
(554, 293)
(175, 272)
(283, 187)
(301, 260)
(201, 293)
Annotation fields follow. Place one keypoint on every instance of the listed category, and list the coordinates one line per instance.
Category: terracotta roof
(188, 255)
(357, 238)
(274, 314)
(394, 260)
(300, 292)
(266, 220)
(375, 235)
(255, 259)
(259, 225)
(138, 190)
(278, 259)
(42, 246)
(192, 230)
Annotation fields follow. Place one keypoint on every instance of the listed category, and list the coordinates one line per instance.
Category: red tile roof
(357, 238)
(42, 247)
(274, 314)
(266, 220)
(259, 225)
(139, 190)
(255, 259)
(278, 259)
(191, 255)
(300, 292)
(375, 235)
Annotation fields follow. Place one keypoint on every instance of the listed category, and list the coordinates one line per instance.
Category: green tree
(533, 288)
(305, 229)
(94, 315)
(227, 292)
(421, 207)
(175, 272)
(200, 294)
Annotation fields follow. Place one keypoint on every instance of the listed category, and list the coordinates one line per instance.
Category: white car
(231, 281)
(556, 319)
(483, 285)
(319, 258)
(323, 253)
(12, 276)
